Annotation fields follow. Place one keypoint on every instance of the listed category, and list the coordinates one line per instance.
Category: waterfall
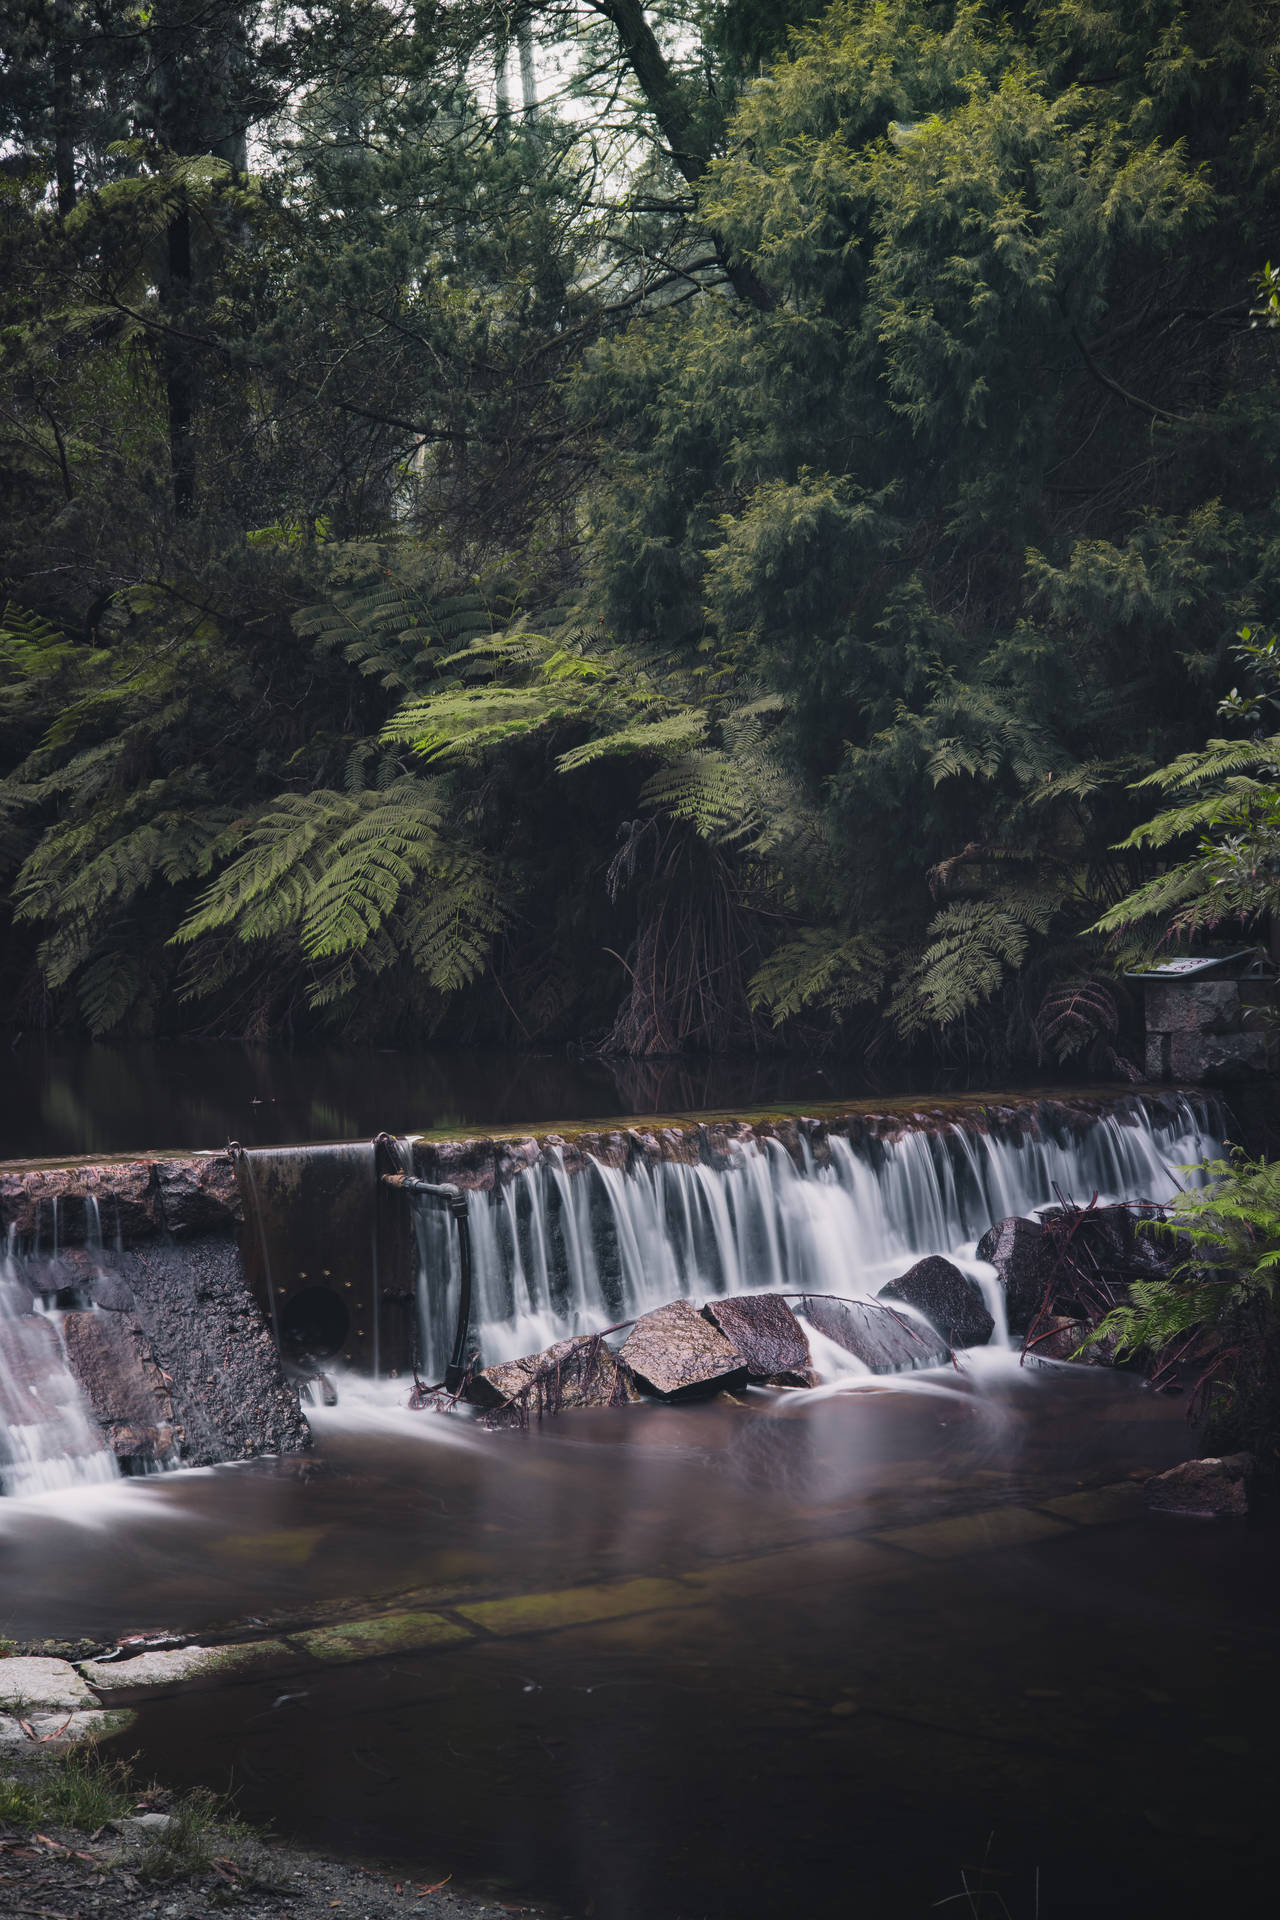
(558, 1253)
(49, 1438)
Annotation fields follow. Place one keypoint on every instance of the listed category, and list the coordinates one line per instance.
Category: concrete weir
(191, 1298)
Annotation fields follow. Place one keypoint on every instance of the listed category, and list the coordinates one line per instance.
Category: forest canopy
(663, 528)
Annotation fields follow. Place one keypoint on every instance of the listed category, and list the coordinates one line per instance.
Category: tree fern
(1229, 805)
(973, 945)
(820, 968)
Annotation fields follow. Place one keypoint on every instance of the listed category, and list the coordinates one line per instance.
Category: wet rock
(111, 1358)
(109, 1292)
(1211, 1487)
(184, 1663)
(1058, 1336)
(317, 1388)
(1022, 1255)
(884, 1340)
(949, 1299)
(573, 1373)
(674, 1351)
(198, 1195)
(763, 1329)
(1109, 1242)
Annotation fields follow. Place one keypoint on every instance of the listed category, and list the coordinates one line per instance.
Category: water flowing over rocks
(884, 1341)
(1210, 1488)
(148, 1301)
(947, 1298)
(1022, 1257)
(675, 1353)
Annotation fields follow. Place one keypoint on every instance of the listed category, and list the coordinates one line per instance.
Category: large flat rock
(763, 1329)
(884, 1340)
(31, 1680)
(170, 1666)
(674, 1351)
(573, 1373)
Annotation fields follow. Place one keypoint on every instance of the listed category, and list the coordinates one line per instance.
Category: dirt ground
(153, 1866)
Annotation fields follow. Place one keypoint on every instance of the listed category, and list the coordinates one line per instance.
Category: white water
(49, 1439)
(557, 1254)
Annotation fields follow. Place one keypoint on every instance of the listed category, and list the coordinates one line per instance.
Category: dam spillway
(574, 1233)
(161, 1295)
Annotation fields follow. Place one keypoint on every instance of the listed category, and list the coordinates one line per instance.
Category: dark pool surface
(67, 1099)
(907, 1645)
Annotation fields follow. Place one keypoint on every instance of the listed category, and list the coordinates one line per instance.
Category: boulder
(949, 1299)
(1210, 1487)
(884, 1340)
(1023, 1256)
(674, 1352)
(573, 1373)
(763, 1329)
(110, 1356)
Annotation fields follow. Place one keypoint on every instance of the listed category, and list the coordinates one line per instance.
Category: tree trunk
(179, 367)
(685, 141)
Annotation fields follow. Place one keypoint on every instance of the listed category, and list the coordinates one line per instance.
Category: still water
(64, 1099)
(904, 1644)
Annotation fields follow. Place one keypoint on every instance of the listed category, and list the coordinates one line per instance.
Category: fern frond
(675, 733)
(820, 968)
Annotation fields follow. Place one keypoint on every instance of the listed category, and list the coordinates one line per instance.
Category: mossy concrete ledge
(481, 1162)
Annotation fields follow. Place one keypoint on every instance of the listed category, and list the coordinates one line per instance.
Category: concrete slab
(849, 1562)
(577, 1606)
(392, 1633)
(974, 1532)
(1099, 1506)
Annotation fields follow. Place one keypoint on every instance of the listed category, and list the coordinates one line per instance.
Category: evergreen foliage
(703, 557)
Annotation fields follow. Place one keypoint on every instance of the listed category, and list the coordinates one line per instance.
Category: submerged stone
(763, 1329)
(574, 1373)
(674, 1351)
(1211, 1487)
(884, 1340)
(948, 1299)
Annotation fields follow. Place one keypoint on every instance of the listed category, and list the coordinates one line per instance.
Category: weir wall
(236, 1273)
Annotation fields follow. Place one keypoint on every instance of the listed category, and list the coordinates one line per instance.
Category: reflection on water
(65, 1099)
(886, 1645)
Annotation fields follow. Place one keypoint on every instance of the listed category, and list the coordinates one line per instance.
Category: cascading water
(558, 1253)
(48, 1436)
